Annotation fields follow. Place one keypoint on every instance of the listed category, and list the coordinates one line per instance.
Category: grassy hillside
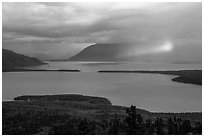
(58, 114)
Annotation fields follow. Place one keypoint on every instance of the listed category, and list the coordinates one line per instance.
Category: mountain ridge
(100, 52)
(12, 60)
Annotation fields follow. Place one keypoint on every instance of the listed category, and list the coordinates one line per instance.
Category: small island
(184, 76)
(73, 114)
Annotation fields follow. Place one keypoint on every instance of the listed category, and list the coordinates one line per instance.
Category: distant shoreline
(183, 76)
(42, 70)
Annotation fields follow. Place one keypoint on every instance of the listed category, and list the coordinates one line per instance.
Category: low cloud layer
(58, 30)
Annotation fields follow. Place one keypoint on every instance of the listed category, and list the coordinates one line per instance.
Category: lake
(153, 92)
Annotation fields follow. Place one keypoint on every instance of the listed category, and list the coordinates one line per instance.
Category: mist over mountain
(100, 52)
(151, 52)
(59, 31)
(106, 52)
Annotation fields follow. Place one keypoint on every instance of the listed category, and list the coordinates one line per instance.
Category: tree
(149, 127)
(170, 126)
(83, 128)
(159, 124)
(140, 125)
(179, 125)
(198, 128)
(134, 122)
(186, 127)
(114, 126)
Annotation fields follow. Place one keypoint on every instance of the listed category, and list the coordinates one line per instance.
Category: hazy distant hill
(11, 60)
(101, 52)
(126, 52)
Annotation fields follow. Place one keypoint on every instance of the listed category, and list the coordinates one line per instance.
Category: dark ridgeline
(12, 61)
(86, 115)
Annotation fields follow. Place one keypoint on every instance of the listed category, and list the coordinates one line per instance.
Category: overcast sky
(171, 31)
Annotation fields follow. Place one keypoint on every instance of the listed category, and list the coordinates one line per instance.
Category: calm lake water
(153, 92)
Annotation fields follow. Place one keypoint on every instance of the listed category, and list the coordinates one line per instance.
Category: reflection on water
(154, 92)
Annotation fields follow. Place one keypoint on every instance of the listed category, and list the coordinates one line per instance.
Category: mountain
(137, 52)
(12, 60)
(101, 52)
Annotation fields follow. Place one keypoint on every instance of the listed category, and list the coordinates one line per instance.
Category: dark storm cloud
(45, 27)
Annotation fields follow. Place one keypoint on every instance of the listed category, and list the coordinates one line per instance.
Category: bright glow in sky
(152, 49)
(168, 46)
(60, 30)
